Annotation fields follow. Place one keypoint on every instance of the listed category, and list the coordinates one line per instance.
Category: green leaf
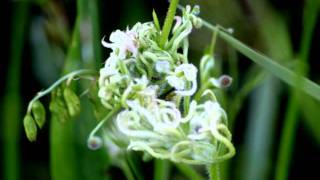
(30, 127)
(39, 113)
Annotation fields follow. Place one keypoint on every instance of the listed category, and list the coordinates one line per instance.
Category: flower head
(139, 75)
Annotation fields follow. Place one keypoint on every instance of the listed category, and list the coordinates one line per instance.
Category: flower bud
(59, 109)
(94, 143)
(72, 101)
(197, 22)
(225, 81)
(30, 127)
(196, 10)
(39, 113)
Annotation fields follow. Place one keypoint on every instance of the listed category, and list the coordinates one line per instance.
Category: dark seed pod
(39, 113)
(72, 101)
(30, 127)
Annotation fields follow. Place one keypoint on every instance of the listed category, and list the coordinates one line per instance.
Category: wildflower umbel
(150, 83)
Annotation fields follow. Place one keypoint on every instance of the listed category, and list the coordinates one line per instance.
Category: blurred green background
(276, 129)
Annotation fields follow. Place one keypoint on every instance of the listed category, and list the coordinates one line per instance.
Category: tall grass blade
(291, 120)
(270, 65)
(11, 105)
(63, 159)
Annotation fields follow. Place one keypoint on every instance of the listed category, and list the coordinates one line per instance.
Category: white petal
(162, 66)
(189, 70)
(176, 82)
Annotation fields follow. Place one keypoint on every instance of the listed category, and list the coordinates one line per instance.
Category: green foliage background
(276, 126)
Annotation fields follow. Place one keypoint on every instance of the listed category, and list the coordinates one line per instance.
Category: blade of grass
(126, 169)
(291, 120)
(91, 58)
(96, 35)
(264, 101)
(259, 133)
(11, 103)
(270, 65)
(131, 160)
(63, 157)
(162, 169)
(311, 116)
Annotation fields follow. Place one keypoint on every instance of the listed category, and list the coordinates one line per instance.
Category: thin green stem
(188, 171)
(58, 82)
(104, 120)
(127, 171)
(168, 22)
(287, 139)
(214, 171)
(201, 90)
(162, 168)
(134, 166)
(213, 40)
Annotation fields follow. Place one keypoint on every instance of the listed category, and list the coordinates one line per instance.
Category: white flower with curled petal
(177, 83)
(181, 77)
(204, 120)
(122, 43)
(167, 116)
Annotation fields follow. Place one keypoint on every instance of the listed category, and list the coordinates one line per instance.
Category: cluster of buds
(150, 83)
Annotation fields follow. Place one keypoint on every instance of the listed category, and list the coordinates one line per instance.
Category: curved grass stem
(58, 82)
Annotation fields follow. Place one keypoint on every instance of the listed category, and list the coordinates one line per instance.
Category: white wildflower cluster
(150, 83)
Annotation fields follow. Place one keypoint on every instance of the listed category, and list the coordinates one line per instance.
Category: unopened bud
(225, 81)
(196, 10)
(94, 143)
(39, 113)
(72, 101)
(59, 109)
(30, 127)
(197, 22)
